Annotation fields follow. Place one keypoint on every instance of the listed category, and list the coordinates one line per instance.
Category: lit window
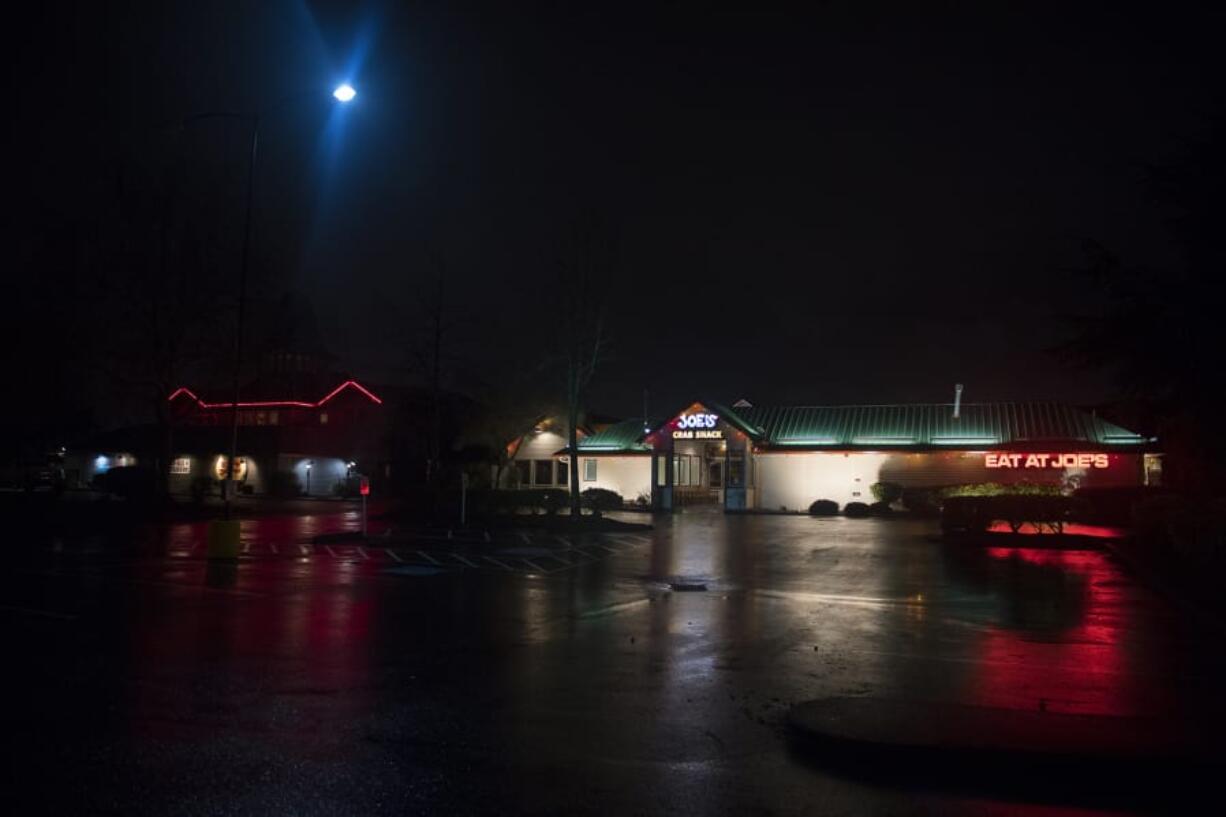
(589, 470)
(323, 418)
(181, 465)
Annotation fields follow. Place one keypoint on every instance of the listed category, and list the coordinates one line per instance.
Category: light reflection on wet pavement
(333, 686)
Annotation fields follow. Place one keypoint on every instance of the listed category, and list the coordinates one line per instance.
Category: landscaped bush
(880, 509)
(132, 482)
(599, 500)
(552, 500)
(284, 484)
(1190, 534)
(1116, 505)
(999, 489)
(886, 492)
(1042, 512)
(202, 486)
(824, 507)
(856, 510)
(922, 501)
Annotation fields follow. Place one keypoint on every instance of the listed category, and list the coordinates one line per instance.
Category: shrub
(552, 500)
(922, 501)
(886, 492)
(971, 514)
(965, 514)
(284, 484)
(202, 486)
(1000, 489)
(599, 500)
(880, 509)
(856, 510)
(1117, 505)
(643, 499)
(824, 507)
(132, 482)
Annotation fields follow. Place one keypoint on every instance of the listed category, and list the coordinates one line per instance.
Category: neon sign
(697, 420)
(1005, 460)
(697, 426)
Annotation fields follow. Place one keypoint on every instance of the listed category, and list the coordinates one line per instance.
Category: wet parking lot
(628, 673)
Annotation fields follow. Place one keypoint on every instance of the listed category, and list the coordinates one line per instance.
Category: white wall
(627, 476)
(325, 473)
(793, 481)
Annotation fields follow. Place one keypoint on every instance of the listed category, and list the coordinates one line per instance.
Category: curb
(880, 733)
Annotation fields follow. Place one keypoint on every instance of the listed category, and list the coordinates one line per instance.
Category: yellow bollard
(223, 539)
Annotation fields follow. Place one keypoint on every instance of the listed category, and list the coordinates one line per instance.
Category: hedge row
(547, 500)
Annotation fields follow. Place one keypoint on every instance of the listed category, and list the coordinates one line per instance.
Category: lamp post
(308, 470)
(344, 94)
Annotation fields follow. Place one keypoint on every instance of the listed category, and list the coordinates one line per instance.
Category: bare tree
(432, 351)
(161, 297)
(585, 265)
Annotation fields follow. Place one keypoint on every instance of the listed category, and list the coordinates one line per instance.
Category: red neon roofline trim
(271, 403)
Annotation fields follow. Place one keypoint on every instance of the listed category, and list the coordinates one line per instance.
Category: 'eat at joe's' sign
(1007, 460)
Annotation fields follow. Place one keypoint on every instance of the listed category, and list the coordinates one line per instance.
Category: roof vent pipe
(957, 400)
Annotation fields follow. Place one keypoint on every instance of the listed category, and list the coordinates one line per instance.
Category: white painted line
(306, 550)
(525, 537)
(565, 541)
(392, 553)
(273, 548)
(557, 558)
(465, 561)
(429, 557)
(503, 565)
(486, 534)
(30, 611)
(362, 552)
(330, 550)
(246, 547)
(535, 566)
(606, 547)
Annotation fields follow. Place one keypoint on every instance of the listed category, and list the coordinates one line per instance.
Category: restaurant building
(745, 457)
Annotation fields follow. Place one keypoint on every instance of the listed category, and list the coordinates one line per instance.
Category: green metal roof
(624, 436)
(934, 425)
(929, 425)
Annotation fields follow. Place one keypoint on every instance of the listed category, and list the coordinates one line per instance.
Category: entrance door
(716, 471)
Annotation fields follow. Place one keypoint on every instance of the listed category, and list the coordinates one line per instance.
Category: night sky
(866, 203)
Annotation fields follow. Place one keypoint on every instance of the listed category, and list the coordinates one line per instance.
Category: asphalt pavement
(569, 679)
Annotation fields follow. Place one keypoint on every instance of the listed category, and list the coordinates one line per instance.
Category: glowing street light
(344, 93)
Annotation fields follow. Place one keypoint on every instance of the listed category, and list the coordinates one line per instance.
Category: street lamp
(344, 93)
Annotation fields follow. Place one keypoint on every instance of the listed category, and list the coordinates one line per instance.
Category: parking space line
(465, 561)
(392, 554)
(428, 557)
(534, 565)
(362, 552)
(503, 565)
(274, 550)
